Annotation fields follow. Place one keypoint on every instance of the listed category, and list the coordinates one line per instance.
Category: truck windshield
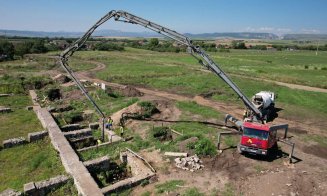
(255, 133)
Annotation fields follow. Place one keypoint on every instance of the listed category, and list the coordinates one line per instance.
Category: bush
(160, 132)
(108, 47)
(306, 67)
(148, 109)
(203, 147)
(7, 50)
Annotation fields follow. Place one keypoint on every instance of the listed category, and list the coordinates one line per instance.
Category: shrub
(160, 132)
(306, 67)
(148, 109)
(203, 147)
(108, 47)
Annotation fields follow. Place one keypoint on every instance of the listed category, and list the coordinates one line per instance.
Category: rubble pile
(191, 163)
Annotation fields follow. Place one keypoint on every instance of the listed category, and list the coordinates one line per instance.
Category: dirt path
(220, 106)
(289, 85)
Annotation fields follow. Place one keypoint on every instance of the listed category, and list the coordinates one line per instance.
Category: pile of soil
(129, 91)
(167, 110)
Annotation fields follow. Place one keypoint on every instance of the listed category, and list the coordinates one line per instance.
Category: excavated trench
(116, 172)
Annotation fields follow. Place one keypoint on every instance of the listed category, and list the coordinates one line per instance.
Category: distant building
(270, 48)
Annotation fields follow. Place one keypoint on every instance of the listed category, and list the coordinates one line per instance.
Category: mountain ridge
(146, 34)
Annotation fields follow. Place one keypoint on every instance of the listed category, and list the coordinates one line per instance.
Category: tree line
(8, 50)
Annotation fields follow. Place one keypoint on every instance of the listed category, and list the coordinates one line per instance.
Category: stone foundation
(10, 192)
(102, 163)
(70, 127)
(14, 142)
(32, 137)
(78, 133)
(43, 187)
(94, 125)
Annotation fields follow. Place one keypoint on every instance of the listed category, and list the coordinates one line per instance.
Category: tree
(7, 50)
(154, 42)
(238, 44)
(38, 47)
(23, 48)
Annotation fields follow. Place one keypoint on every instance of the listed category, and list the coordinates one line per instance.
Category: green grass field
(180, 73)
(19, 122)
(31, 162)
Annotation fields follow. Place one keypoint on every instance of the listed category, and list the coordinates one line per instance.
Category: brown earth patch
(317, 150)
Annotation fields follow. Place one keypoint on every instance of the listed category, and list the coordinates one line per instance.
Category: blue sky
(193, 16)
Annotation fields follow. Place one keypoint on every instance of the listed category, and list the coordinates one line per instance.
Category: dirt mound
(129, 91)
(61, 78)
(230, 163)
(73, 95)
(317, 150)
(168, 110)
(134, 108)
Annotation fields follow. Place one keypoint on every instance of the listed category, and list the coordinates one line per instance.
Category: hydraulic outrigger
(196, 51)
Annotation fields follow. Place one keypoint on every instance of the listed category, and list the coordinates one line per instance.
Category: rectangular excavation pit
(139, 171)
(78, 133)
(83, 142)
(109, 174)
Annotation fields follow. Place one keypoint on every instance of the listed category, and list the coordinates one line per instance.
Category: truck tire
(239, 149)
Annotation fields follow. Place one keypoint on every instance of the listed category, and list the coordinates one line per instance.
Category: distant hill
(100, 33)
(305, 37)
(241, 35)
(117, 33)
(145, 34)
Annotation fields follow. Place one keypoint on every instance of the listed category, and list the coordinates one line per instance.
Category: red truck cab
(257, 138)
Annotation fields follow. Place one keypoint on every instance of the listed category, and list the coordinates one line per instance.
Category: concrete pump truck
(256, 136)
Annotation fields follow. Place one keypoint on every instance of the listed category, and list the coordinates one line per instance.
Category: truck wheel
(239, 149)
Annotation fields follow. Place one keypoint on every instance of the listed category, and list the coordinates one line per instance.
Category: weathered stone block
(102, 163)
(4, 95)
(4, 110)
(29, 107)
(78, 133)
(94, 125)
(32, 137)
(13, 142)
(10, 192)
(70, 127)
(47, 186)
(30, 189)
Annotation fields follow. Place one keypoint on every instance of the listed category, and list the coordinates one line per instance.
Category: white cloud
(268, 30)
(309, 31)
